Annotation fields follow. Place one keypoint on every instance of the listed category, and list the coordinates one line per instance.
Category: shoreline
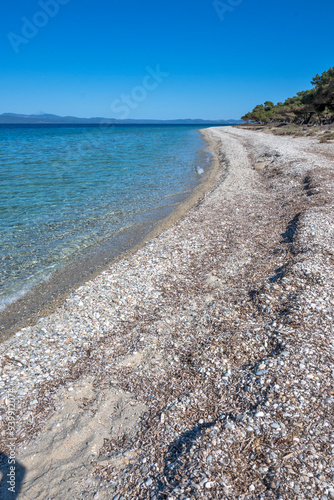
(201, 366)
(43, 299)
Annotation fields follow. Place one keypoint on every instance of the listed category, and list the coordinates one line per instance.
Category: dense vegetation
(309, 107)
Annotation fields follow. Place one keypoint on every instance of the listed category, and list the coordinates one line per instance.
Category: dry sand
(201, 365)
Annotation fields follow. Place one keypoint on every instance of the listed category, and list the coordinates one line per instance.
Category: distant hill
(12, 118)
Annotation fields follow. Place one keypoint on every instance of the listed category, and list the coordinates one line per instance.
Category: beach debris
(190, 389)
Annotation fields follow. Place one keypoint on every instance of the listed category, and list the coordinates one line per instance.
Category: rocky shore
(200, 366)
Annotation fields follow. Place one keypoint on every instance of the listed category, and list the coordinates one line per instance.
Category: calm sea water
(64, 190)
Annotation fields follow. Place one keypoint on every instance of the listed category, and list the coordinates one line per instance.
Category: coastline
(44, 298)
(200, 365)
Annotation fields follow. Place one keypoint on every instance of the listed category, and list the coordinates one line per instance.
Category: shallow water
(64, 190)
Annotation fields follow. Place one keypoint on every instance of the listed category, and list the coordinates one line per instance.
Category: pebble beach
(200, 365)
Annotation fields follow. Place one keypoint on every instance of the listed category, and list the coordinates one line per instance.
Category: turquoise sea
(64, 190)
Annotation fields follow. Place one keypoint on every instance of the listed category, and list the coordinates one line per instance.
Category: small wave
(12, 298)
(18, 294)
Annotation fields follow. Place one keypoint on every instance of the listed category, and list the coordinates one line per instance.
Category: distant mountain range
(12, 118)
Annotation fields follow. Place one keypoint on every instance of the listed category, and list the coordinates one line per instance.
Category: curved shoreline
(212, 340)
(44, 298)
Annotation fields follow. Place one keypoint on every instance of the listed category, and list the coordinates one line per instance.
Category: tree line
(308, 107)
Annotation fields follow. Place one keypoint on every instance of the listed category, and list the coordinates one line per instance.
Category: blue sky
(96, 57)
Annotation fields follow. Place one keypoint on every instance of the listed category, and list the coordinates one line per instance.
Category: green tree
(315, 105)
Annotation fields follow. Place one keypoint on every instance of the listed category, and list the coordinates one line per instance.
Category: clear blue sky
(86, 58)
